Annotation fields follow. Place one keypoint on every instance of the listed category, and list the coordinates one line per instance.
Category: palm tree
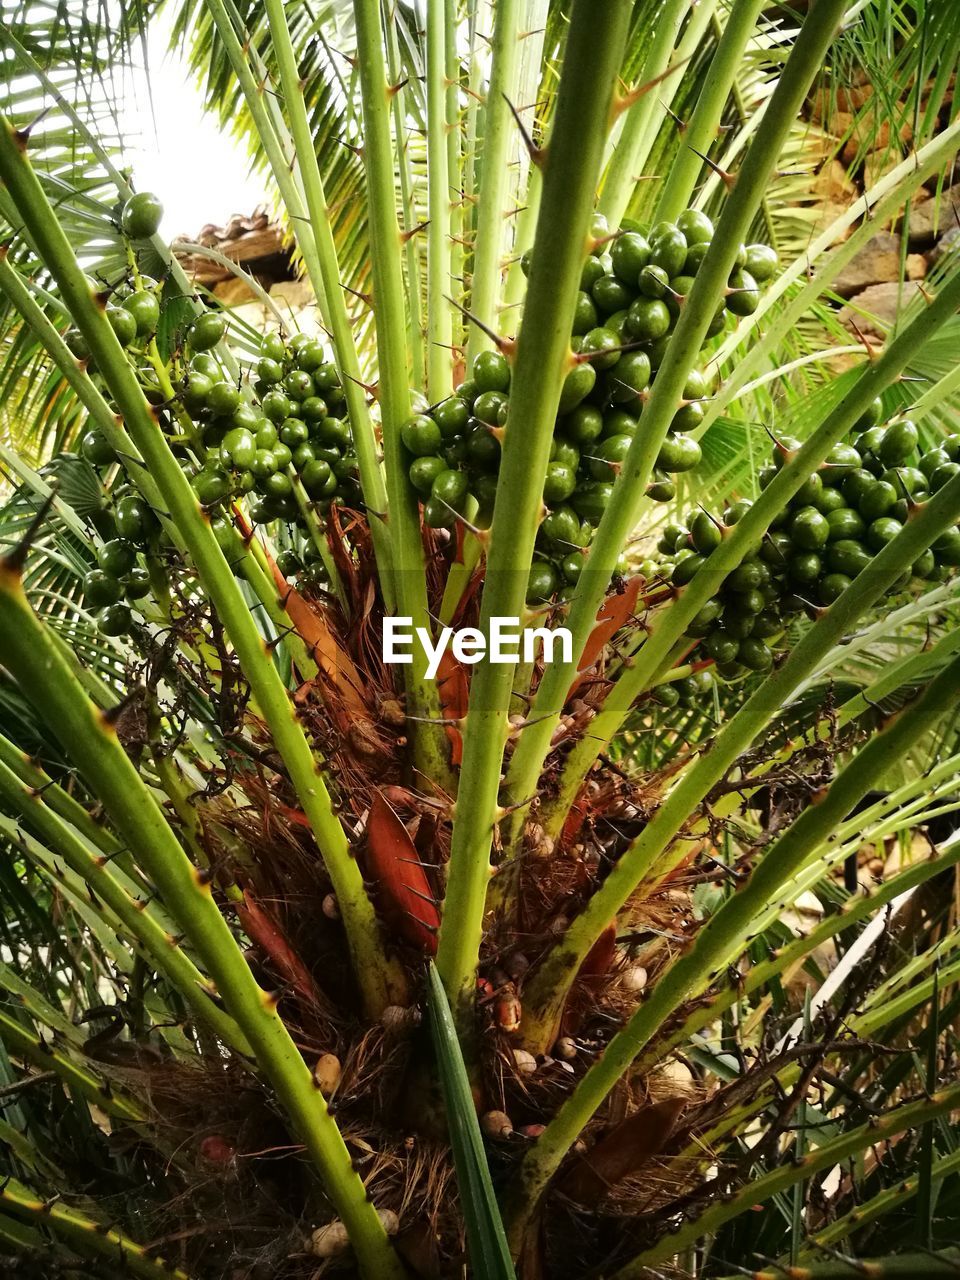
(570, 382)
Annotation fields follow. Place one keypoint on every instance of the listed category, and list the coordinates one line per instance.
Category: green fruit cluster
(827, 535)
(279, 430)
(631, 290)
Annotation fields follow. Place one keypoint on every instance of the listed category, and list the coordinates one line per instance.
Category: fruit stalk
(498, 130)
(543, 358)
(701, 129)
(721, 938)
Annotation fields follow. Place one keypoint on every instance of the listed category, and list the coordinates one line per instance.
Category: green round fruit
(223, 399)
(653, 282)
(423, 472)
(450, 487)
(602, 347)
(761, 262)
(238, 449)
(145, 309)
(591, 498)
(661, 488)
(946, 472)
(882, 531)
(585, 313)
(96, 450)
(705, 532)
(721, 646)
(437, 515)
(116, 557)
(542, 582)
(845, 523)
(561, 526)
(559, 483)
(196, 388)
(688, 417)
(619, 422)
(313, 410)
(317, 479)
(610, 294)
(877, 500)
(571, 566)
(648, 319)
(899, 442)
(805, 568)
(832, 587)
(679, 453)
(747, 577)
(141, 216)
(114, 620)
(583, 425)
(590, 272)
(294, 432)
(298, 385)
(491, 371)
(123, 325)
(577, 385)
(101, 588)
(488, 405)
(925, 565)
(686, 568)
(212, 486)
(607, 456)
(776, 548)
(451, 416)
(754, 654)
(668, 249)
(134, 519)
(696, 227)
(421, 436)
(311, 355)
(206, 364)
(809, 529)
(848, 557)
(629, 255)
(841, 462)
(206, 331)
(136, 584)
(947, 548)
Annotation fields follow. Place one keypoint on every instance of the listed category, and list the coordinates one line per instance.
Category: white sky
(200, 173)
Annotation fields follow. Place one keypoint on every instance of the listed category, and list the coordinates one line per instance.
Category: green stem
(90, 739)
(632, 146)
(623, 513)
(24, 1044)
(668, 625)
(330, 295)
(408, 204)
(430, 743)
(722, 938)
(594, 49)
(159, 945)
(701, 128)
(376, 974)
(498, 131)
(85, 1234)
(643, 863)
(439, 319)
